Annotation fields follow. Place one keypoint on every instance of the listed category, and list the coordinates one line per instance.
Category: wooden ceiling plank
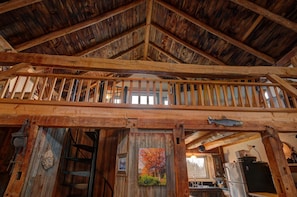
(289, 88)
(221, 35)
(285, 60)
(117, 56)
(231, 140)
(176, 60)
(15, 4)
(267, 14)
(194, 49)
(76, 27)
(109, 41)
(149, 10)
(138, 66)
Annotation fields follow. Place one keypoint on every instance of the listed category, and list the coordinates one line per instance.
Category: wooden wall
(41, 182)
(130, 143)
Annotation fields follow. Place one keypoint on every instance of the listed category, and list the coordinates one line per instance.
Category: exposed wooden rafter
(285, 60)
(252, 27)
(149, 10)
(137, 66)
(15, 4)
(267, 14)
(77, 27)
(218, 33)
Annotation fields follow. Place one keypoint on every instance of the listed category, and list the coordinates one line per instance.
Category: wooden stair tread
(78, 173)
(82, 160)
(85, 147)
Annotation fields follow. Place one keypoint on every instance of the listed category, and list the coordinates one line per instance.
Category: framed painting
(122, 163)
(151, 167)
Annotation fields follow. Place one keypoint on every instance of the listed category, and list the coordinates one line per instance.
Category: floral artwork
(151, 167)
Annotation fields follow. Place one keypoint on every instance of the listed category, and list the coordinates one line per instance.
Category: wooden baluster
(147, 89)
(185, 93)
(233, 98)
(5, 88)
(240, 99)
(169, 93)
(43, 88)
(78, 92)
(105, 91)
(193, 98)
(294, 102)
(62, 85)
(161, 93)
(255, 96)
(270, 97)
(122, 92)
(33, 90)
(14, 87)
(200, 95)
(287, 102)
(113, 90)
(28, 78)
(87, 94)
(279, 100)
(209, 95)
(52, 89)
(262, 93)
(96, 92)
(225, 95)
(70, 88)
(247, 96)
(155, 93)
(177, 94)
(217, 93)
(130, 92)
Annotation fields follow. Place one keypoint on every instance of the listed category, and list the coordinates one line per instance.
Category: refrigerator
(235, 180)
(245, 177)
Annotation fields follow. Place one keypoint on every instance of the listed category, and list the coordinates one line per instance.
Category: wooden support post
(17, 179)
(281, 174)
(180, 163)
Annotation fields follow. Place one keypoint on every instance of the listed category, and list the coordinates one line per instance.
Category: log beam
(104, 117)
(181, 173)
(283, 181)
(15, 4)
(138, 66)
(290, 89)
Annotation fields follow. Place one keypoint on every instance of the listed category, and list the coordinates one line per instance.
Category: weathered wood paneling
(127, 184)
(40, 182)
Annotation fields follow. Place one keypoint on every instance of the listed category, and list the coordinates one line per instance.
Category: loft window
(143, 100)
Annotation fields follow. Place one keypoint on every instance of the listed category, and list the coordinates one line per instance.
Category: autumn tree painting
(152, 166)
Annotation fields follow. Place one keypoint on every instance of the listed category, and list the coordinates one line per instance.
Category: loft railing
(151, 92)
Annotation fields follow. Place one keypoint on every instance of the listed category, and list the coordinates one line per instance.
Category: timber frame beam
(103, 117)
(138, 66)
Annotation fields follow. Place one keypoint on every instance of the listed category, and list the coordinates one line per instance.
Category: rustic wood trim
(149, 10)
(267, 14)
(194, 49)
(285, 85)
(281, 174)
(15, 4)
(16, 183)
(76, 27)
(221, 35)
(181, 173)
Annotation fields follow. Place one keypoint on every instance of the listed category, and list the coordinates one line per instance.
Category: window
(197, 167)
(143, 100)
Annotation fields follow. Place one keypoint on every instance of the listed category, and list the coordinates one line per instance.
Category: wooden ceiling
(234, 32)
(203, 32)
